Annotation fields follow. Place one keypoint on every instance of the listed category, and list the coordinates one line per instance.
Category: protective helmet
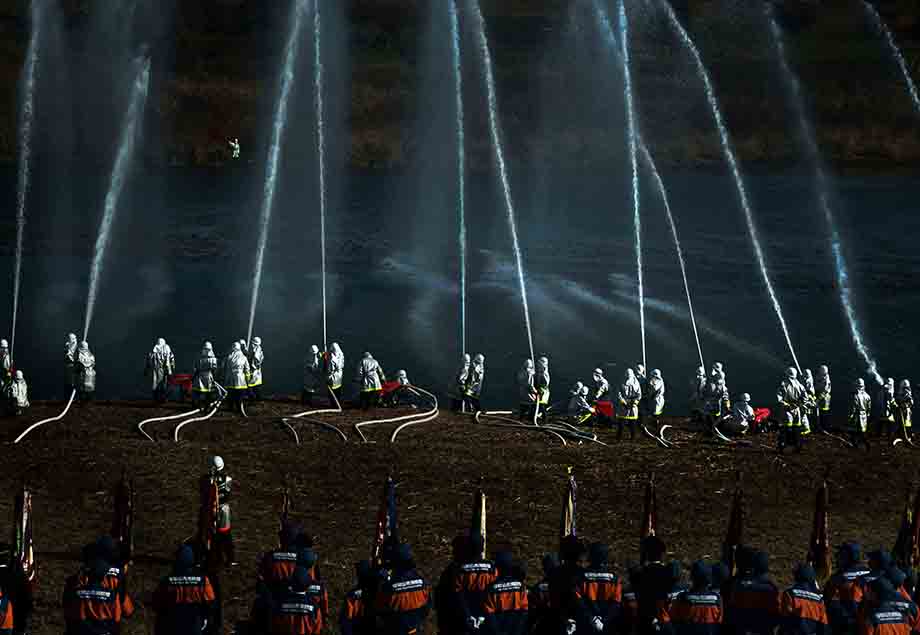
(640, 369)
(543, 362)
(700, 371)
(630, 375)
(823, 370)
(576, 389)
(889, 382)
(584, 391)
(257, 341)
(791, 373)
(598, 372)
(528, 364)
(905, 383)
(656, 373)
(84, 345)
(367, 355)
(314, 349)
(480, 358)
(236, 347)
(718, 367)
(4, 344)
(807, 373)
(746, 398)
(217, 463)
(161, 342)
(72, 337)
(402, 374)
(466, 359)
(19, 375)
(243, 343)
(336, 348)
(860, 383)
(208, 347)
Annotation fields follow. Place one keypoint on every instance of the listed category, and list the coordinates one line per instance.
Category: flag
(819, 547)
(567, 525)
(207, 515)
(23, 546)
(650, 511)
(903, 550)
(915, 534)
(734, 534)
(387, 523)
(285, 508)
(123, 517)
(478, 527)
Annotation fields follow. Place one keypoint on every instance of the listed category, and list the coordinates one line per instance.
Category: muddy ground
(73, 464)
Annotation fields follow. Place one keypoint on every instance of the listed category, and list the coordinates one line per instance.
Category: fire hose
(418, 417)
(195, 420)
(424, 419)
(181, 415)
(522, 427)
(308, 418)
(558, 427)
(22, 436)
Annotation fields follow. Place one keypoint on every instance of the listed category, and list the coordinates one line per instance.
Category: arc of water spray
(116, 184)
(320, 146)
(656, 176)
(618, 52)
(500, 159)
(736, 171)
(823, 191)
(895, 52)
(274, 153)
(461, 165)
(25, 155)
(632, 128)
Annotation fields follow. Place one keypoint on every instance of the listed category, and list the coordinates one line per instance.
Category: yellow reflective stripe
(258, 383)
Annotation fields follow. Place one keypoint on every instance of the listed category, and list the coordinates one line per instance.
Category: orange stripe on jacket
(697, 608)
(505, 596)
(804, 605)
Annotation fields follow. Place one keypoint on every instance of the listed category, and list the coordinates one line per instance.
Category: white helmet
(208, 347)
(402, 374)
(807, 373)
(888, 382)
(822, 370)
(528, 365)
(630, 375)
(257, 341)
(860, 383)
(480, 358)
(161, 342)
(640, 369)
(700, 371)
(465, 360)
(746, 398)
(656, 373)
(598, 372)
(237, 348)
(584, 391)
(84, 345)
(791, 373)
(314, 349)
(217, 463)
(4, 344)
(905, 383)
(19, 375)
(367, 355)
(576, 389)
(72, 338)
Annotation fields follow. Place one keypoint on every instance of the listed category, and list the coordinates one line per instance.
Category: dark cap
(805, 574)
(701, 573)
(598, 554)
(306, 558)
(504, 561)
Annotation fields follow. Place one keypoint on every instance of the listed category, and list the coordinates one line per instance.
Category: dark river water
(182, 254)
